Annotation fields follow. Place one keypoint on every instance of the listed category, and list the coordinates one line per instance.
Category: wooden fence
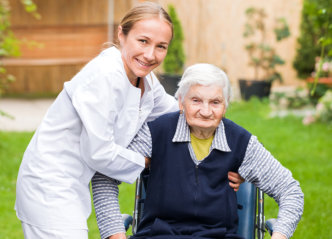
(55, 47)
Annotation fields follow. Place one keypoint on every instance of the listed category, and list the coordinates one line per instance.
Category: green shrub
(9, 44)
(175, 58)
(316, 27)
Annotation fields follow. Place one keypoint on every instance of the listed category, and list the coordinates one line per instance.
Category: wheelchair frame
(251, 229)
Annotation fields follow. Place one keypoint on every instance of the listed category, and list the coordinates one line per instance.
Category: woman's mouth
(143, 63)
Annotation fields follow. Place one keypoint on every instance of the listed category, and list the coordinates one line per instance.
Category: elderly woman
(191, 152)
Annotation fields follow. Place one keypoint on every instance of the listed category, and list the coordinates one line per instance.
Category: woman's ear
(120, 35)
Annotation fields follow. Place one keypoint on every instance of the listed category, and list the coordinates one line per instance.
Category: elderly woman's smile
(204, 108)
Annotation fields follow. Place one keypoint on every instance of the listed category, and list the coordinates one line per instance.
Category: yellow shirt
(201, 146)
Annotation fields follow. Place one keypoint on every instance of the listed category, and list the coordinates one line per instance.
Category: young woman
(89, 126)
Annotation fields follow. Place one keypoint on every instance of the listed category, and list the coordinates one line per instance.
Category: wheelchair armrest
(269, 224)
(127, 220)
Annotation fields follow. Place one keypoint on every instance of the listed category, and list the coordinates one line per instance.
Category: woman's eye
(162, 47)
(142, 40)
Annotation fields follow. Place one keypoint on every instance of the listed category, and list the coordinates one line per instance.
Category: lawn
(305, 150)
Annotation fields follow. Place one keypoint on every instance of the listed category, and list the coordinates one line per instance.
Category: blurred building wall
(71, 33)
(213, 31)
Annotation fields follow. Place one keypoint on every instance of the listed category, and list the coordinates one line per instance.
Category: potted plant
(175, 58)
(262, 56)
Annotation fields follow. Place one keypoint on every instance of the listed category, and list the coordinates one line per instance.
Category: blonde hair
(143, 11)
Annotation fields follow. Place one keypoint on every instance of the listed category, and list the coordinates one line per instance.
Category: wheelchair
(250, 201)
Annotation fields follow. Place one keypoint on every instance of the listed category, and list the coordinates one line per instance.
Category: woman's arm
(105, 193)
(96, 104)
(262, 169)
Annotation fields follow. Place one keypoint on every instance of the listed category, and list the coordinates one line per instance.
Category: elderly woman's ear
(224, 113)
(180, 104)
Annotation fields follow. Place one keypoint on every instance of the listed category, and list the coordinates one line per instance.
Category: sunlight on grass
(305, 150)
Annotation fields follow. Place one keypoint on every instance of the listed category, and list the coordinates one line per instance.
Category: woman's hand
(277, 235)
(118, 236)
(147, 162)
(235, 180)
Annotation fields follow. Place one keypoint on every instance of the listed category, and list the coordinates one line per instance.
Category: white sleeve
(163, 102)
(93, 103)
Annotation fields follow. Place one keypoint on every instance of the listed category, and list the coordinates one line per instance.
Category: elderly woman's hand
(235, 180)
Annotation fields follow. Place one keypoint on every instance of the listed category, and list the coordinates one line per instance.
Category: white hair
(204, 74)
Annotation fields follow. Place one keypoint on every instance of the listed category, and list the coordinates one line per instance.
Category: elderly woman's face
(203, 106)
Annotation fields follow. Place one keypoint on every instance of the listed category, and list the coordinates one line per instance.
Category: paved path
(27, 113)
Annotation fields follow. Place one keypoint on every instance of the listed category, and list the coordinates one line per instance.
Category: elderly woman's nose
(205, 109)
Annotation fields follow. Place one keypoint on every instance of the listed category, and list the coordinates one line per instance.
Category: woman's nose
(149, 53)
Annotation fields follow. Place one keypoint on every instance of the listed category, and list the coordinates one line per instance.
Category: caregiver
(89, 126)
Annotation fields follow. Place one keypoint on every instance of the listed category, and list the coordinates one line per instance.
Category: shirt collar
(182, 134)
(150, 79)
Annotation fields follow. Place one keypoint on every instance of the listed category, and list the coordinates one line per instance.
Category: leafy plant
(323, 67)
(325, 43)
(290, 100)
(323, 110)
(175, 58)
(263, 56)
(316, 35)
(9, 44)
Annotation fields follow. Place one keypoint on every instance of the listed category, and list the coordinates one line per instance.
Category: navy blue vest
(188, 201)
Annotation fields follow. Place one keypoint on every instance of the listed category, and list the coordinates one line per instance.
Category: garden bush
(316, 29)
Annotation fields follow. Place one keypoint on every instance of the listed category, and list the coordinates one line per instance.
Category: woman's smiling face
(145, 46)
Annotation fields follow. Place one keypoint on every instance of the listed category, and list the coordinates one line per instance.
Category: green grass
(12, 146)
(305, 150)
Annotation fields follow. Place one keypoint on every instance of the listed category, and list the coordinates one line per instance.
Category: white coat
(87, 129)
